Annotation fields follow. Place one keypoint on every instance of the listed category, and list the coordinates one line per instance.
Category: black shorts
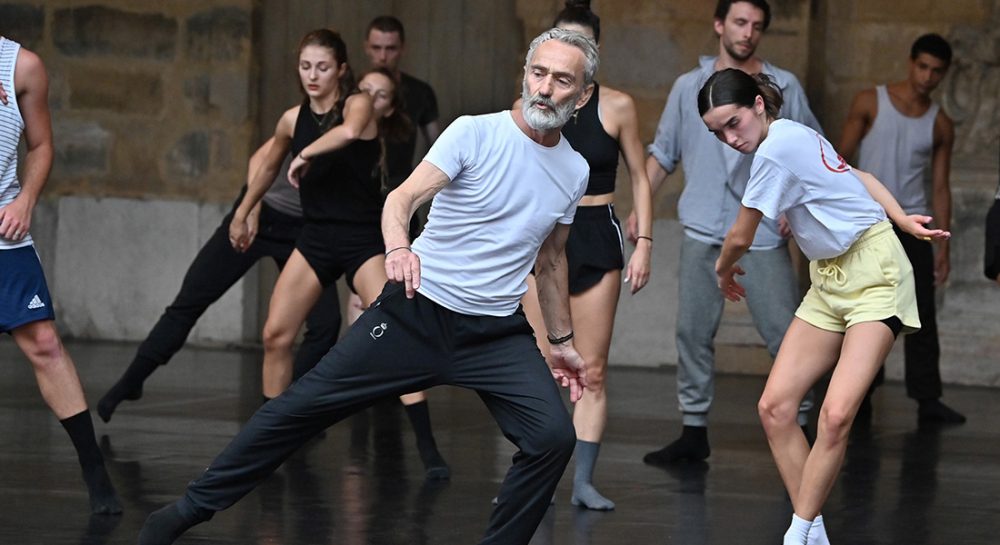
(594, 246)
(339, 248)
(23, 291)
(991, 254)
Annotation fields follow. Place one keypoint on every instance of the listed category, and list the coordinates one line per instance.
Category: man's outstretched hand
(568, 369)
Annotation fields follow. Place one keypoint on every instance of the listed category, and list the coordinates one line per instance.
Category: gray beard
(545, 120)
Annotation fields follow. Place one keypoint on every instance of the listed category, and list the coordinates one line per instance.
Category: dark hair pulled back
(733, 86)
(577, 12)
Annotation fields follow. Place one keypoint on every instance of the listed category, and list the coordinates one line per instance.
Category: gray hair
(575, 39)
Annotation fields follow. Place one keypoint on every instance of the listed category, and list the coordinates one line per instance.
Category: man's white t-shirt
(797, 172)
(485, 227)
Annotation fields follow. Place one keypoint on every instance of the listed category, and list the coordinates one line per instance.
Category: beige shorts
(871, 281)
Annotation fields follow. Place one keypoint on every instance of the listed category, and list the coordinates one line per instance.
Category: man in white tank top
(901, 133)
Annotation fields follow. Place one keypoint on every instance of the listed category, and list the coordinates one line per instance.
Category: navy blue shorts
(24, 295)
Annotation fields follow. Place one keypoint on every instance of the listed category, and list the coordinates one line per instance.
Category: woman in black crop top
(601, 130)
(334, 137)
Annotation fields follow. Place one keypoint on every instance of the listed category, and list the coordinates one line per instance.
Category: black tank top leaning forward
(587, 136)
(343, 185)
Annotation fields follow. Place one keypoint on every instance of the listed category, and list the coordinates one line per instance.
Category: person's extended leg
(358, 371)
(296, 291)
(214, 270)
(772, 297)
(699, 311)
(369, 281)
(865, 347)
(498, 358)
(806, 354)
(322, 329)
(593, 314)
(62, 392)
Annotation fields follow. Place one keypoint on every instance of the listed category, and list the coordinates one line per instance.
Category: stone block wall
(149, 100)
(153, 113)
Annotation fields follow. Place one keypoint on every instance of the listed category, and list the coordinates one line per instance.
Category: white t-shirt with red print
(796, 172)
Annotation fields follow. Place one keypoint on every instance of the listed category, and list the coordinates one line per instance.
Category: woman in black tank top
(327, 82)
(604, 128)
(334, 137)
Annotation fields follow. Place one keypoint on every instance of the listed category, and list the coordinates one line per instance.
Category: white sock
(798, 532)
(817, 532)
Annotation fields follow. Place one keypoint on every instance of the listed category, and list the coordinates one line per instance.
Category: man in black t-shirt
(384, 46)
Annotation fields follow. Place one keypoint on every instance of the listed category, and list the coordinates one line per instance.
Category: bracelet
(398, 248)
(650, 239)
(559, 340)
(303, 157)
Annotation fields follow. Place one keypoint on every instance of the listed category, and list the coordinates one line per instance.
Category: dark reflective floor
(362, 483)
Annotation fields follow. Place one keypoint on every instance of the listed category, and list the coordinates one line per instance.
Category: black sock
(103, 499)
(166, 524)
(420, 420)
(129, 386)
(692, 445)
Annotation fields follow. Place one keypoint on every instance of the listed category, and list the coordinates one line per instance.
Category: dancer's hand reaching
(568, 369)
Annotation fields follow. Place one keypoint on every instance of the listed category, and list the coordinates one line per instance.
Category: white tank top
(11, 127)
(897, 150)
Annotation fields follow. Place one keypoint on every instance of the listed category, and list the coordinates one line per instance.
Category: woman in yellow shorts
(861, 296)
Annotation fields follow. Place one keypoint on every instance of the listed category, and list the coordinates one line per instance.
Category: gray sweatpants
(772, 296)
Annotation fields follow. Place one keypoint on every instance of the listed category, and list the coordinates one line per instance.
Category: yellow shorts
(871, 281)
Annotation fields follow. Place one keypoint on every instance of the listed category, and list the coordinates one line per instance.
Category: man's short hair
(575, 39)
(934, 45)
(722, 9)
(388, 24)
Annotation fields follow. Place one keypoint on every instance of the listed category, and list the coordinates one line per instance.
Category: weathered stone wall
(153, 112)
(149, 99)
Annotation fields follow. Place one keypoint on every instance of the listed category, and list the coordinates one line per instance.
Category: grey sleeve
(666, 146)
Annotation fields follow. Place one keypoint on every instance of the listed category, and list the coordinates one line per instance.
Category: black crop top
(587, 136)
(343, 185)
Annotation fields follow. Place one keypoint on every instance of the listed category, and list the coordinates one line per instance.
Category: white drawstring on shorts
(832, 271)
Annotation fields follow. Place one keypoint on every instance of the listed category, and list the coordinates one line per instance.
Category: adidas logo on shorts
(36, 302)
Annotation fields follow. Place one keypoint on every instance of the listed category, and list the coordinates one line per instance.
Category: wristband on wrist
(650, 239)
(302, 156)
(398, 248)
(559, 340)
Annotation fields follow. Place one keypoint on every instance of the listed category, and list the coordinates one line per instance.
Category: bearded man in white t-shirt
(506, 187)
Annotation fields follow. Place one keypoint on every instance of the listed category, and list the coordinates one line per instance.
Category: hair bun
(581, 4)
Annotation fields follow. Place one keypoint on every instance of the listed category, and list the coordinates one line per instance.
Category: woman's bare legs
(296, 291)
(807, 353)
(593, 313)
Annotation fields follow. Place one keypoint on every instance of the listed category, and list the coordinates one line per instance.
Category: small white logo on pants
(36, 302)
(379, 330)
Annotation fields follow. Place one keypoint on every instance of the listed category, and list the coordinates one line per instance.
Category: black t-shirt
(421, 108)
